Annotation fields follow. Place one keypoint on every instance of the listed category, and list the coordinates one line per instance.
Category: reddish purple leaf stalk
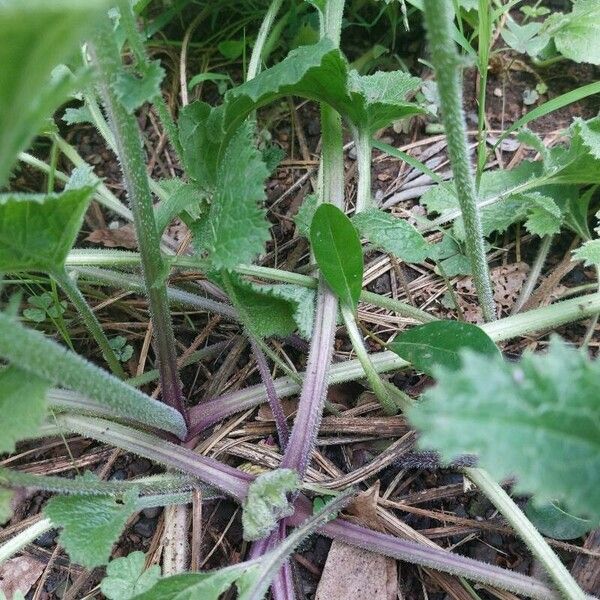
(235, 483)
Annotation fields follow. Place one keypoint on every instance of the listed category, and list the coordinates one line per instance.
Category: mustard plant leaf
(36, 37)
(393, 235)
(237, 226)
(6, 496)
(22, 405)
(576, 33)
(135, 87)
(127, 577)
(555, 522)
(37, 231)
(338, 252)
(440, 344)
(538, 420)
(90, 525)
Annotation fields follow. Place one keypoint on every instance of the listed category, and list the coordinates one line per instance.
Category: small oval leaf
(336, 246)
(554, 521)
(440, 343)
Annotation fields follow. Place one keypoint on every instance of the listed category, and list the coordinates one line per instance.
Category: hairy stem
(129, 149)
(35, 353)
(21, 540)
(379, 388)
(526, 323)
(254, 65)
(70, 288)
(362, 143)
(446, 60)
(529, 534)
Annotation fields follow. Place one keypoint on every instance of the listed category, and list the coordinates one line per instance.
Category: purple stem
(272, 397)
(314, 389)
(235, 483)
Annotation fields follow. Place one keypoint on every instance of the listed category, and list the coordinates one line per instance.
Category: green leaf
(182, 197)
(440, 344)
(231, 49)
(544, 217)
(538, 419)
(305, 214)
(136, 87)
(589, 133)
(526, 39)
(91, 525)
(392, 235)
(276, 309)
(576, 34)
(589, 252)
(75, 116)
(267, 502)
(37, 231)
(36, 36)
(553, 521)
(127, 577)
(22, 406)
(5, 505)
(237, 226)
(336, 246)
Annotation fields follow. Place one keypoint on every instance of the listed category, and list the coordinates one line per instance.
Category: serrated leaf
(393, 235)
(36, 36)
(302, 301)
(336, 246)
(544, 217)
(577, 33)
(5, 505)
(37, 231)
(136, 87)
(589, 253)
(22, 405)
(317, 72)
(182, 197)
(267, 502)
(440, 343)
(90, 525)
(533, 140)
(589, 133)
(553, 521)
(75, 116)
(538, 419)
(127, 577)
(237, 226)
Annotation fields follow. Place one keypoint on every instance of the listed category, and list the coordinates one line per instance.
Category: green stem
(375, 381)
(39, 355)
(529, 534)
(70, 288)
(362, 142)
(130, 152)
(484, 35)
(254, 65)
(139, 50)
(447, 63)
(22, 539)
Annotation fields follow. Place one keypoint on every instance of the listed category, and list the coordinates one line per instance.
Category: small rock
(47, 539)
(145, 527)
(498, 92)
(314, 128)
(152, 513)
(139, 466)
(118, 475)
(352, 153)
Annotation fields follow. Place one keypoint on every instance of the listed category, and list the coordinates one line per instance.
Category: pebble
(118, 475)
(47, 539)
(145, 527)
(152, 513)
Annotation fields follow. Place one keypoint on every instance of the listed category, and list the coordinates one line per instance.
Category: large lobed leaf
(36, 35)
(538, 419)
(127, 577)
(576, 34)
(37, 231)
(237, 228)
